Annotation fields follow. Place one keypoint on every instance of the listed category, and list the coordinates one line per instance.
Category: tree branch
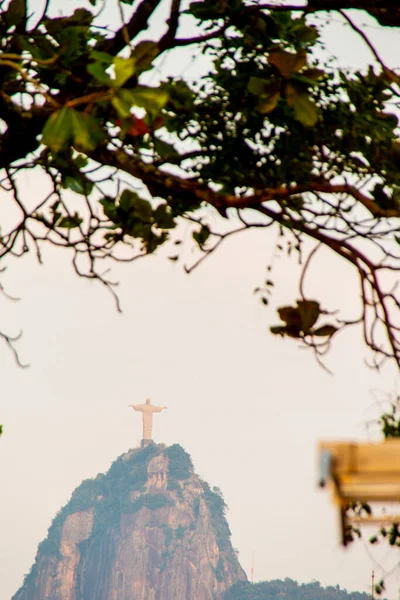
(137, 23)
(388, 72)
(168, 39)
(164, 184)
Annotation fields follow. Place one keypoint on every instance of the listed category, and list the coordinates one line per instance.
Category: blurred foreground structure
(360, 474)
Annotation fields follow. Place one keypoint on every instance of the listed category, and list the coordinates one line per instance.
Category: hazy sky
(248, 407)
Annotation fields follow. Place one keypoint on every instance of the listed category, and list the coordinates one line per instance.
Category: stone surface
(167, 541)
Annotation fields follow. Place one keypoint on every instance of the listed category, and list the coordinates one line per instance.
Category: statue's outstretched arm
(135, 406)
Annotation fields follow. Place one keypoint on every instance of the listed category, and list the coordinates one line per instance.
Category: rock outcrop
(149, 529)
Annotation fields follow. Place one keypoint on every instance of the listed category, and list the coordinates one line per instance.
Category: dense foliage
(180, 464)
(217, 508)
(290, 590)
(275, 135)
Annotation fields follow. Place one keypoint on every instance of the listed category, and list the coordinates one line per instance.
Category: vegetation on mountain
(180, 464)
(290, 590)
(217, 507)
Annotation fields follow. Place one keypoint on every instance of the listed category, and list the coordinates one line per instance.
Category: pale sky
(249, 407)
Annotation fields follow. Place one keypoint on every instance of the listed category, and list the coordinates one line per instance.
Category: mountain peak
(148, 529)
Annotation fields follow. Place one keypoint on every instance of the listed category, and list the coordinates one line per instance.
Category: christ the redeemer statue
(147, 411)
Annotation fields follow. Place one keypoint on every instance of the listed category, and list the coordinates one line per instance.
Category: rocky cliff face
(149, 529)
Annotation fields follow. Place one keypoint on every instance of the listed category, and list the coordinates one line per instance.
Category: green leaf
(87, 133)
(304, 108)
(303, 82)
(267, 104)
(73, 183)
(151, 99)
(57, 129)
(124, 69)
(287, 63)
(78, 184)
(16, 13)
(164, 149)
(109, 207)
(103, 57)
(98, 71)
(180, 95)
(81, 161)
(126, 200)
(144, 54)
(164, 217)
(373, 539)
(203, 11)
(201, 236)
(81, 16)
(268, 92)
(306, 34)
(258, 86)
(131, 202)
(70, 222)
(123, 108)
(143, 209)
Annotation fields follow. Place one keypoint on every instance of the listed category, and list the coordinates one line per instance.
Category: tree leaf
(122, 107)
(16, 13)
(124, 69)
(103, 57)
(151, 99)
(70, 222)
(259, 86)
(163, 217)
(287, 63)
(109, 207)
(164, 149)
(144, 53)
(201, 236)
(98, 70)
(290, 315)
(78, 184)
(267, 104)
(86, 131)
(268, 92)
(309, 311)
(313, 74)
(304, 108)
(325, 331)
(278, 329)
(180, 95)
(306, 34)
(57, 129)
